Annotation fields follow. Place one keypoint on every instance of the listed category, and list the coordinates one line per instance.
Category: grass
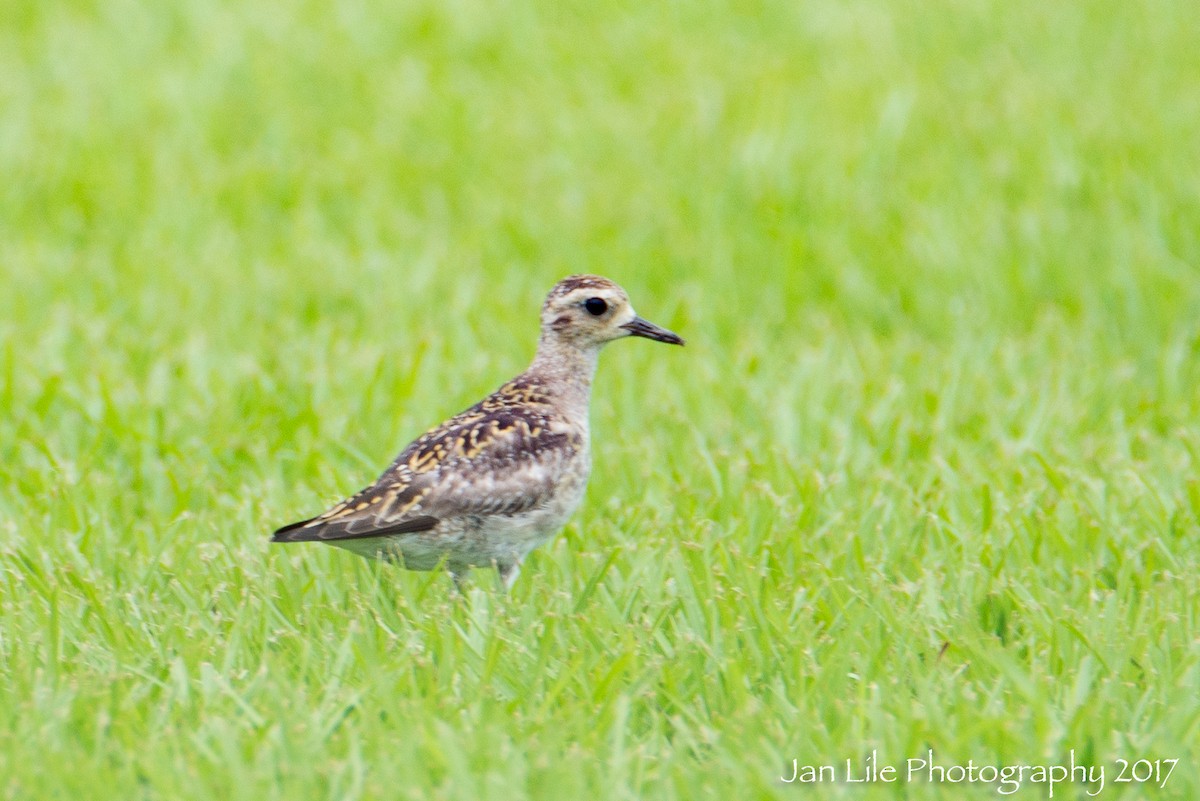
(925, 477)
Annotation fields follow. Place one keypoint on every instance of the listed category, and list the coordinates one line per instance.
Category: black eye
(595, 306)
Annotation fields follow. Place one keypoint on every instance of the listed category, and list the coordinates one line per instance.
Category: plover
(489, 485)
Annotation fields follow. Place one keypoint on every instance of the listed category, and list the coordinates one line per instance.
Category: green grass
(926, 475)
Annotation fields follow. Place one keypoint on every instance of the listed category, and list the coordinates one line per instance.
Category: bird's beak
(644, 328)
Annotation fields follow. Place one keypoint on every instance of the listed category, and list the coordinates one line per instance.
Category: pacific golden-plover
(489, 485)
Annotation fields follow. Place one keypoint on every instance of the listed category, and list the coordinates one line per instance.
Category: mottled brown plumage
(492, 483)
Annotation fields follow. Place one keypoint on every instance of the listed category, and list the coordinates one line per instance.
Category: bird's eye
(595, 306)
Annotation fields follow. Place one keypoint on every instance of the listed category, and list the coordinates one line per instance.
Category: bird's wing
(502, 456)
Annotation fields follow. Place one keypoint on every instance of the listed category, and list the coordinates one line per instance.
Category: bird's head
(589, 310)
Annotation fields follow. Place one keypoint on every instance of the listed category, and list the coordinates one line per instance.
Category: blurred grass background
(924, 477)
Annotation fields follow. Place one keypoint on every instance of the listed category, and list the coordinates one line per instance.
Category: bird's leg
(460, 580)
(508, 573)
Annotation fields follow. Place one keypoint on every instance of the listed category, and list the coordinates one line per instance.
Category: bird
(491, 484)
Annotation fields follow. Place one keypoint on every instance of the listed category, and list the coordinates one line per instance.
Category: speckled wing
(503, 456)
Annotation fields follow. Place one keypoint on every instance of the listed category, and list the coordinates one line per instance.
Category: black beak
(644, 328)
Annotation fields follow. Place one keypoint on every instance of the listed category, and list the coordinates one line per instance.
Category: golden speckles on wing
(402, 505)
(424, 461)
(516, 412)
(505, 438)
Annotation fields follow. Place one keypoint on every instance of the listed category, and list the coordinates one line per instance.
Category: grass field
(925, 477)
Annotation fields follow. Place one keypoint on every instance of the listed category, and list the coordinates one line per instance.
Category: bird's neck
(566, 371)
